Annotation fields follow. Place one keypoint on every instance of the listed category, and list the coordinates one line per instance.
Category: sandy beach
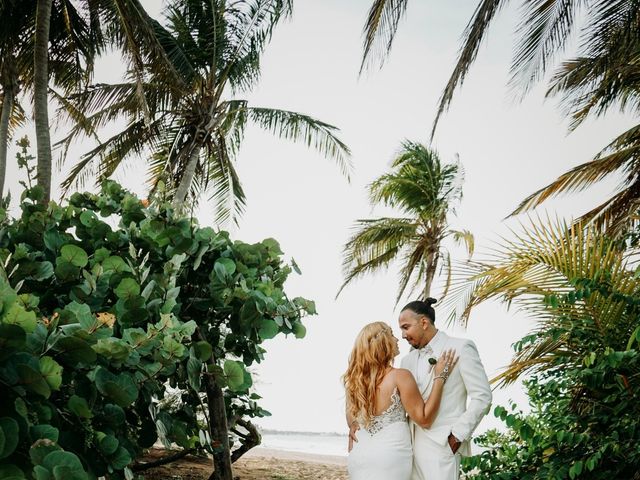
(258, 464)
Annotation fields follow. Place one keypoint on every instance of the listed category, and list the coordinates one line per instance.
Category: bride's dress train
(383, 450)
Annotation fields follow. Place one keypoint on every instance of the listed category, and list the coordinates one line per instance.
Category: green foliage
(88, 347)
(585, 415)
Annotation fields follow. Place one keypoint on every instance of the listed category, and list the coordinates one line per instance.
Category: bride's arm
(353, 427)
(424, 412)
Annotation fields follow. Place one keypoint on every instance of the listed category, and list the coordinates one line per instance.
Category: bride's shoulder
(402, 374)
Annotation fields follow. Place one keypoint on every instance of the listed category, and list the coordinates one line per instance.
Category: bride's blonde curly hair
(372, 355)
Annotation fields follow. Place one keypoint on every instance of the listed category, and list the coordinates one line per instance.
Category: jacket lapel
(439, 346)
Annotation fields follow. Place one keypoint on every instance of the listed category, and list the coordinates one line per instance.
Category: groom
(466, 397)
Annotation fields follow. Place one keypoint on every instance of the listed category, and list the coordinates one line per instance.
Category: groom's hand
(454, 443)
(352, 434)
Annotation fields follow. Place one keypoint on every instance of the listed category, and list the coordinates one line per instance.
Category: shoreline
(262, 452)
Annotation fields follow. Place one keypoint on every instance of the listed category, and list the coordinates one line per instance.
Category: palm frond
(544, 261)
(226, 190)
(617, 214)
(473, 36)
(582, 177)
(465, 237)
(544, 31)
(413, 265)
(303, 128)
(380, 29)
(374, 245)
(104, 159)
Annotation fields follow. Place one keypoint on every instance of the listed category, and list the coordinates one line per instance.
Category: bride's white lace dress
(383, 450)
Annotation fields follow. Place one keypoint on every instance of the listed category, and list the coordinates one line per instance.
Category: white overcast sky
(508, 149)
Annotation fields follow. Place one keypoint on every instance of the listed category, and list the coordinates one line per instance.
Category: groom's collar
(437, 341)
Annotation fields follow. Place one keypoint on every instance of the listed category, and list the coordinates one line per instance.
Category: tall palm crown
(194, 125)
(426, 191)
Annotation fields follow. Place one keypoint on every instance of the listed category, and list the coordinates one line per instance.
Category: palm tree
(68, 53)
(557, 274)
(62, 39)
(606, 76)
(194, 124)
(426, 192)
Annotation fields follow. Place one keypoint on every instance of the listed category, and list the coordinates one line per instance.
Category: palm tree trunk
(7, 108)
(185, 182)
(431, 265)
(40, 95)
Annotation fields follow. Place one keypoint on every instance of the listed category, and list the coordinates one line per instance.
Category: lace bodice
(395, 413)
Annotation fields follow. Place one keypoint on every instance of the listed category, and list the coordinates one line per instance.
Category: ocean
(306, 442)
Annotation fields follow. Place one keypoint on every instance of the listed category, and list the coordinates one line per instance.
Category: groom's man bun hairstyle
(422, 307)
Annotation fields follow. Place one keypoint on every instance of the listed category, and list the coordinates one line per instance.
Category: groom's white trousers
(432, 461)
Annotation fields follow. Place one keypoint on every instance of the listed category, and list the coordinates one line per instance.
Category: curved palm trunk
(185, 182)
(431, 263)
(7, 108)
(40, 97)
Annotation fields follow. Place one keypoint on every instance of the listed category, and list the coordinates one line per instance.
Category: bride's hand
(445, 363)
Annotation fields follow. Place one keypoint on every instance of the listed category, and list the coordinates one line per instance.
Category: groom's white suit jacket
(466, 396)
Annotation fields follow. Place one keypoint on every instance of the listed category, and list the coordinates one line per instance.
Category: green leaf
(51, 371)
(10, 432)
(299, 330)
(109, 444)
(79, 406)
(121, 459)
(11, 336)
(113, 414)
(122, 389)
(40, 449)
(21, 408)
(127, 289)
(33, 380)
(74, 255)
(115, 264)
(234, 371)
(65, 270)
(228, 264)
(194, 368)
(76, 349)
(45, 431)
(11, 472)
(66, 462)
(83, 315)
(41, 473)
(272, 245)
(268, 329)
(41, 271)
(115, 349)
(17, 315)
(53, 239)
(202, 350)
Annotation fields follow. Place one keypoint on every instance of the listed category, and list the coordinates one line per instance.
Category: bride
(379, 397)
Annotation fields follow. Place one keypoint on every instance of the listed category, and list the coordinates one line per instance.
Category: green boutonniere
(432, 361)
